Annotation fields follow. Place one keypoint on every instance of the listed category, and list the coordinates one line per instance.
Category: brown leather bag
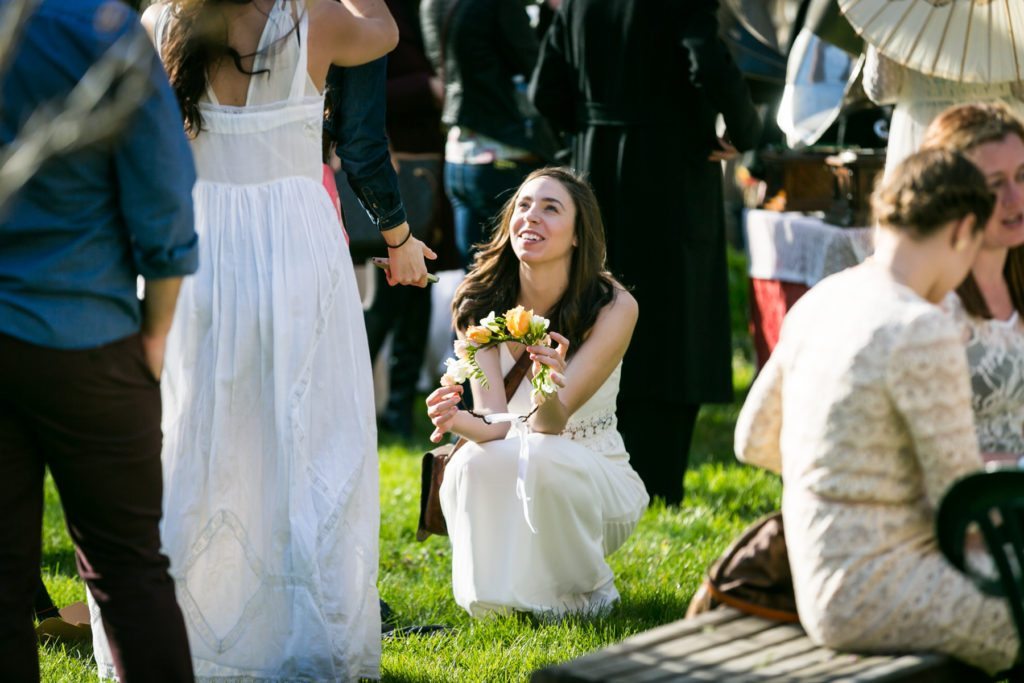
(752, 575)
(434, 462)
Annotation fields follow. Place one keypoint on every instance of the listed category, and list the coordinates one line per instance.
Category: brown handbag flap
(753, 574)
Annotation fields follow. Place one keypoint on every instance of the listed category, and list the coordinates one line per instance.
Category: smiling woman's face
(543, 222)
(1002, 164)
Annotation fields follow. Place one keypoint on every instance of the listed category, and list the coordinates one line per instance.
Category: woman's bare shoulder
(347, 39)
(617, 318)
(623, 306)
(150, 16)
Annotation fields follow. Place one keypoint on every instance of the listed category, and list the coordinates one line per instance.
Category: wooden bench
(727, 645)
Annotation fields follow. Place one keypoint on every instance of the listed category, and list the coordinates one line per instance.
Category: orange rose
(478, 334)
(518, 320)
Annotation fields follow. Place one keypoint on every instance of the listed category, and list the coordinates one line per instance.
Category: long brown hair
(962, 128)
(196, 40)
(493, 280)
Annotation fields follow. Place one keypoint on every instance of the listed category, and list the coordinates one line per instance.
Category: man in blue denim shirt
(80, 355)
(356, 124)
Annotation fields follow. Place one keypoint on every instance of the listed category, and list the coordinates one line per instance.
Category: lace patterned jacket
(865, 408)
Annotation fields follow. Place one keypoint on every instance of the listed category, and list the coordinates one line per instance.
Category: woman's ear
(963, 232)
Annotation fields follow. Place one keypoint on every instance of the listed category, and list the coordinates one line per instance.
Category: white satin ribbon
(518, 430)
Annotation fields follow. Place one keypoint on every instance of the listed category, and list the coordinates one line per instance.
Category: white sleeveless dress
(271, 508)
(584, 502)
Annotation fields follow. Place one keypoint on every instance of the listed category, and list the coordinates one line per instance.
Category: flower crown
(517, 325)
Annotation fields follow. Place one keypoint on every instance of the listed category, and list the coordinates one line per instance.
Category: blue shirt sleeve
(154, 167)
(358, 125)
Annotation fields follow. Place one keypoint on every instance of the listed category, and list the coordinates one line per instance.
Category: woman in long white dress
(270, 463)
(542, 551)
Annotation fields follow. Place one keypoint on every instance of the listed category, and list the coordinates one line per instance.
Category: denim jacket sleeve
(358, 98)
(157, 206)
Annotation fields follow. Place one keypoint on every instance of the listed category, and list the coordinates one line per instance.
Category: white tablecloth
(796, 247)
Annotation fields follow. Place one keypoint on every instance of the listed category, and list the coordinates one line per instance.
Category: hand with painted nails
(442, 407)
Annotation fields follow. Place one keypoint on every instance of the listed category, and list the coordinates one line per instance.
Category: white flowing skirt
(271, 508)
(583, 506)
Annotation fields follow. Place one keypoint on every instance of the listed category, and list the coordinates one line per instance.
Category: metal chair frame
(994, 500)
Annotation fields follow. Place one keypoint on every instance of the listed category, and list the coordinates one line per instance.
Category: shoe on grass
(71, 626)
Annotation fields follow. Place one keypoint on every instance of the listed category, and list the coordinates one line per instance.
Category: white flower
(538, 325)
(459, 370)
(461, 349)
(544, 387)
(548, 385)
(447, 381)
(490, 323)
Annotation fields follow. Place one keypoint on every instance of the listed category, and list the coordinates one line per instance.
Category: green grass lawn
(657, 570)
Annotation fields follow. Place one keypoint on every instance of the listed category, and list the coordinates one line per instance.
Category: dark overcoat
(639, 83)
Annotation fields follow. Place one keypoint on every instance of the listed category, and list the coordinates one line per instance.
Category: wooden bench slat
(754, 662)
(727, 645)
(614, 664)
(688, 669)
(922, 668)
(677, 629)
(674, 631)
(840, 667)
(779, 669)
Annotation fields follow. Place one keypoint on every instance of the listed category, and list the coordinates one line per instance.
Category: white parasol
(974, 41)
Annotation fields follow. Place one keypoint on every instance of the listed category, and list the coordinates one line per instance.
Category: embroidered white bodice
(995, 356)
(593, 425)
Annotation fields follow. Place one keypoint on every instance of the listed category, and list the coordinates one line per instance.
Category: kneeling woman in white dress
(542, 550)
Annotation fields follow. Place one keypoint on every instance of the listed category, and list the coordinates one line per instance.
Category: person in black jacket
(640, 85)
(480, 47)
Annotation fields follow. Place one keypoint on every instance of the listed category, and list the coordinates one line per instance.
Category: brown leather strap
(748, 607)
(515, 376)
(512, 381)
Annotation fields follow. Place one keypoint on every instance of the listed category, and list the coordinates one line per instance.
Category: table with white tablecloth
(788, 253)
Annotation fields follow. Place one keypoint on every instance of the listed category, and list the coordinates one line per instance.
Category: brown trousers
(93, 418)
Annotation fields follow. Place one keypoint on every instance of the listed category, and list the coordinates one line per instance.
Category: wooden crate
(856, 173)
(804, 177)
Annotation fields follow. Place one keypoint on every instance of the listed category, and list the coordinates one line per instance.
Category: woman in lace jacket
(865, 408)
(989, 303)
(544, 550)
(919, 98)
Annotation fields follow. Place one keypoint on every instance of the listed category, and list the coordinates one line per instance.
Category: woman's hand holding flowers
(517, 325)
(553, 358)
